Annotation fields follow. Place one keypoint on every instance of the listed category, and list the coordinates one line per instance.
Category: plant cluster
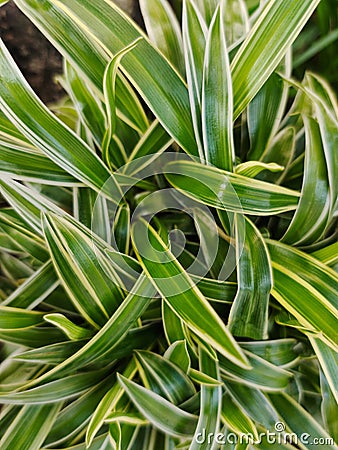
(168, 248)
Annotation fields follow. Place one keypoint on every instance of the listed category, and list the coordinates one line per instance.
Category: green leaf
(9, 133)
(174, 328)
(271, 36)
(328, 360)
(327, 116)
(44, 130)
(87, 104)
(12, 318)
(105, 25)
(317, 46)
(281, 151)
(163, 30)
(75, 260)
(217, 103)
(329, 408)
(180, 293)
(32, 337)
(104, 341)
(228, 191)
(311, 216)
(28, 164)
(71, 330)
(320, 98)
(57, 353)
(50, 354)
(86, 55)
(161, 413)
(211, 402)
(300, 421)
(34, 289)
(7, 244)
(236, 21)
(122, 228)
(254, 403)
(249, 312)
(91, 210)
(55, 391)
(307, 289)
(235, 418)
(179, 355)
(215, 290)
(102, 442)
(154, 141)
(74, 417)
(107, 404)
(165, 377)
(252, 168)
(194, 33)
(265, 112)
(207, 8)
(262, 374)
(29, 204)
(15, 269)
(129, 418)
(328, 254)
(109, 92)
(30, 427)
(203, 379)
(280, 352)
(207, 232)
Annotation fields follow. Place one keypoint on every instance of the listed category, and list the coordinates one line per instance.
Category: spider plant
(167, 233)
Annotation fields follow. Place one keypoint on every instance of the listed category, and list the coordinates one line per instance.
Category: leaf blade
(168, 417)
(181, 294)
(273, 33)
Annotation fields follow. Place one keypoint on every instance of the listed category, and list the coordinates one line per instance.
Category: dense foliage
(168, 246)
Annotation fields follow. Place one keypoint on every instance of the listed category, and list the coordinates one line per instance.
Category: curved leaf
(262, 374)
(71, 330)
(228, 191)
(107, 27)
(249, 312)
(307, 289)
(75, 261)
(45, 130)
(107, 404)
(311, 216)
(165, 377)
(179, 292)
(161, 413)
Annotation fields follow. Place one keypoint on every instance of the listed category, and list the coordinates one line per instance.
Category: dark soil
(36, 57)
